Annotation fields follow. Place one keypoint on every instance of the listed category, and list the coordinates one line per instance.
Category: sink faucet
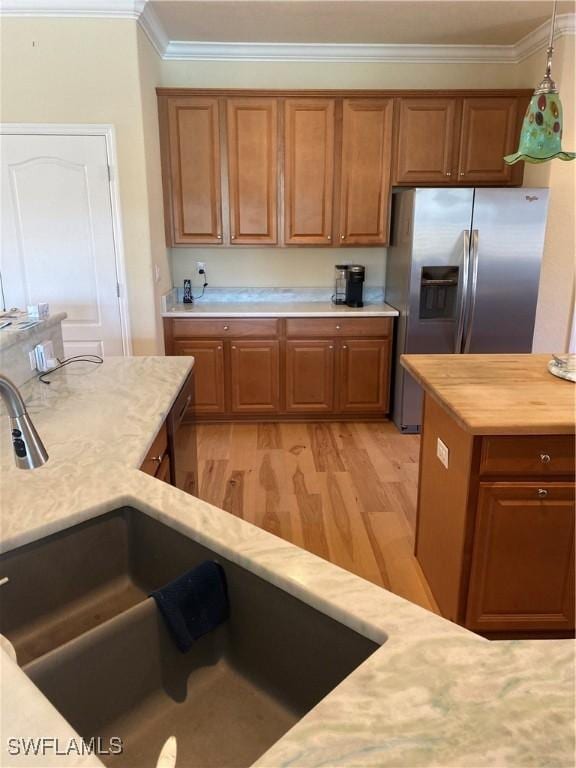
(29, 451)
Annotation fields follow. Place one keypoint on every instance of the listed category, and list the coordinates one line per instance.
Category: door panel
(365, 175)
(255, 376)
(364, 375)
(523, 561)
(425, 141)
(507, 249)
(310, 376)
(489, 132)
(252, 170)
(58, 238)
(195, 170)
(209, 392)
(308, 171)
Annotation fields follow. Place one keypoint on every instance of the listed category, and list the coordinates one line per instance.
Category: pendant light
(541, 136)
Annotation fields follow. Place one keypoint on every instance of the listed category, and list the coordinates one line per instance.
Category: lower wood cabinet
(310, 376)
(295, 368)
(209, 373)
(364, 375)
(523, 559)
(255, 376)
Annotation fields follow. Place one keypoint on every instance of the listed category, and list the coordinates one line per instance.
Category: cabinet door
(195, 191)
(365, 172)
(308, 171)
(489, 131)
(310, 376)
(425, 145)
(255, 376)
(364, 373)
(522, 574)
(209, 397)
(253, 170)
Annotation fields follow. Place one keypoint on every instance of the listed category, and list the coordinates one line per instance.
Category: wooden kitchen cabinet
(209, 390)
(310, 376)
(294, 368)
(443, 140)
(490, 130)
(364, 375)
(426, 151)
(191, 153)
(308, 171)
(365, 171)
(252, 132)
(255, 376)
(522, 572)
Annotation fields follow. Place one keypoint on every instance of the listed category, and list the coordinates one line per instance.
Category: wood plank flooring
(346, 492)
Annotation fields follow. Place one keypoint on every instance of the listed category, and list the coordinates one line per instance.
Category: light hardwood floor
(346, 492)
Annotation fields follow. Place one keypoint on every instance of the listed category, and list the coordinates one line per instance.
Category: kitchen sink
(77, 612)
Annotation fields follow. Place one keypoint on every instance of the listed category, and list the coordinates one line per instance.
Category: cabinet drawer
(528, 455)
(221, 327)
(155, 455)
(345, 326)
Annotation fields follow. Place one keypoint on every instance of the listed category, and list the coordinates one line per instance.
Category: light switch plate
(442, 452)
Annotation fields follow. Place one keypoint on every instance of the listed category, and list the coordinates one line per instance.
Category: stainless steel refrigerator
(463, 270)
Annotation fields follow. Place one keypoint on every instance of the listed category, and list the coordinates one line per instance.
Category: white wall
(87, 71)
(557, 287)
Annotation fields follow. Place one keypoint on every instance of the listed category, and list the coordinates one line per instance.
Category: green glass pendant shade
(541, 136)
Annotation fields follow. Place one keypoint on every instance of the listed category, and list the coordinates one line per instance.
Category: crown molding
(113, 9)
(181, 50)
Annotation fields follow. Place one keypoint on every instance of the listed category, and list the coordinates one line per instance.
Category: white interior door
(58, 236)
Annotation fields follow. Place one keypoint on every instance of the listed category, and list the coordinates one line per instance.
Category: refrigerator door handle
(463, 292)
(473, 289)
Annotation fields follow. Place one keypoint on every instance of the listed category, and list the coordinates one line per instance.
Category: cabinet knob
(542, 493)
(226, 327)
(545, 458)
(344, 346)
(219, 347)
(461, 173)
(233, 347)
(341, 237)
(329, 237)
(337, 327)
(233, 237)
(157, 459)
(219, 236)
(331, 347)
(448, 173)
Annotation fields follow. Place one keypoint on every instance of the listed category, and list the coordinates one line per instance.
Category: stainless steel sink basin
(77, 612)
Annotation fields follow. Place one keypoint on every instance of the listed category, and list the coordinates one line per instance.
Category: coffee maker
(355, 274)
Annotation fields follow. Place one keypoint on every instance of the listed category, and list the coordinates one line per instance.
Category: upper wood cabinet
(365, 171)
(490, 129)
(451, 140)
(253, 170)
(193, 202)
(425, 147)
(308, 171)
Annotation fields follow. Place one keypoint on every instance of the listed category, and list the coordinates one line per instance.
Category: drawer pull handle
(157, 459)
(226, 327)
(542, 493)
(545, 458)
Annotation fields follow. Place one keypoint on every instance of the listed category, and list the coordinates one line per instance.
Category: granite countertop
(434, 694)
(497, 394)
(273, 302)
(15, 334)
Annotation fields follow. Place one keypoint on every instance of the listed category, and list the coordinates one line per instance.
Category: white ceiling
(451, 22)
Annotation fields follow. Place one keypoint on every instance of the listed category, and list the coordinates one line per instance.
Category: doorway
(61, 236)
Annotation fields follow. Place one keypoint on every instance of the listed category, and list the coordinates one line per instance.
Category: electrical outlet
(442, 452)
(157, 273)
(201, 267)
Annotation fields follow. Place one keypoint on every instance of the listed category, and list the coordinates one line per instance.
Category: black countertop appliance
(355, 275)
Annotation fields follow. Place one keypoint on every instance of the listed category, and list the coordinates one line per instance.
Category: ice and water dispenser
(438, 293)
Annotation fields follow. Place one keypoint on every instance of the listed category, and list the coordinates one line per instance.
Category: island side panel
(443, 524)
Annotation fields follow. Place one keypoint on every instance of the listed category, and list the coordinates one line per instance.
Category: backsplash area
(274, 267)
(15, 347)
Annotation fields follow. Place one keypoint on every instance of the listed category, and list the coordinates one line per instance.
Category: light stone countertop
(279, 309)
(434, 694)
(13, 334)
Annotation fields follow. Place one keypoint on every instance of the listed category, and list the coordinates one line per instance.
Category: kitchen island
(495, 525)
(433, 694)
